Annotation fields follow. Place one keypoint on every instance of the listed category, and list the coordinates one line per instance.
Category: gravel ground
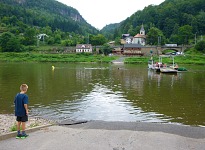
(7, 121)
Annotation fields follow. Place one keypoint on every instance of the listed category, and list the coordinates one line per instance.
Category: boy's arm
(26, 107)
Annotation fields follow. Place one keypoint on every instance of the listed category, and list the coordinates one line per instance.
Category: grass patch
(37, 57)
(190, 57)
(32, 125)
(13, 128)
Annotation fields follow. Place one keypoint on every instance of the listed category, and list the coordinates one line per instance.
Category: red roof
(139, 36)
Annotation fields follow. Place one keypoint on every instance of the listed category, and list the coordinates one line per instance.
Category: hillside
(176, 20)
(41, 14)
(109, 30)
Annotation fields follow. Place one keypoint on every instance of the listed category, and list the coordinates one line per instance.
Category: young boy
(21, 111)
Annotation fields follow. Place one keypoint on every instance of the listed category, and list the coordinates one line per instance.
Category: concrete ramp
(119, 61)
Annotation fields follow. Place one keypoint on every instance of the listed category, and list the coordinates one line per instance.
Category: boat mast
(160, 62)
(173, 60)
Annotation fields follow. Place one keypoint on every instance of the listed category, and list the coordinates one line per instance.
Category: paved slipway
(101, 135)
(119, 61)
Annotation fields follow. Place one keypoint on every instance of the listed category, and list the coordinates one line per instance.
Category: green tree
(10, 43)
(97, 39)
(67, 42)
(174, 39)
(131, 31)
(30, 36)
(200, 46)
(57, 39)
(169, 27)
(47, 30)
(201, 21)
(185, 33)
(117, 41)
(106, 49)
(155, 36)
(50, 40)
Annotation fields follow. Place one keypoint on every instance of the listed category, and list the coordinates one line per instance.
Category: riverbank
(197, 59)
(8, 123)
(70, 58)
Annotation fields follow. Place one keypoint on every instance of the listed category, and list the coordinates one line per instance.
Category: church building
(140, 38)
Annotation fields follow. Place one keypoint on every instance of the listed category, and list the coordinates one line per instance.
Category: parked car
(174, 53)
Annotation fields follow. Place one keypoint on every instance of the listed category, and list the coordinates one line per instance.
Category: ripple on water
(100, 104)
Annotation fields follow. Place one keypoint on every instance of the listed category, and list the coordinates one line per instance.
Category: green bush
(200, 46)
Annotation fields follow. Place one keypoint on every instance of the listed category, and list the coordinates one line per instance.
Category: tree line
(22, 21)
(173, 21)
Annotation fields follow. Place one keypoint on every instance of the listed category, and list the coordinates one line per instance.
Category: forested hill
(109, 30)
(42, 13)
(169, 19)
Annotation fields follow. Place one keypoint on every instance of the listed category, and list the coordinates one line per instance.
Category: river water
(106, 92)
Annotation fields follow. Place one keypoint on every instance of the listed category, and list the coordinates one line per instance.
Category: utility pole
(37, 41)
(88, 39)
(195, 38)
(160, 40)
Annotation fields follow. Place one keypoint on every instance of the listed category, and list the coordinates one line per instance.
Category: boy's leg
(23, 126)
(24, 120)
(24, 135)
(18, 125)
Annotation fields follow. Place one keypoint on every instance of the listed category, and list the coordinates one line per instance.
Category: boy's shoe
(23, 136)
(18, 136)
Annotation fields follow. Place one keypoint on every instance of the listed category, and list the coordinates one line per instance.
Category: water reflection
(100, 104)
(106, 92)
(157, 76)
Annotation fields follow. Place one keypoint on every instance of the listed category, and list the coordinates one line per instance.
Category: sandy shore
(8, 121)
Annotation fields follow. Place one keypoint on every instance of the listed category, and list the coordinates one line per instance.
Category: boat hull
(168, 70)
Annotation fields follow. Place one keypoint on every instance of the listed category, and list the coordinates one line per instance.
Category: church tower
(142, 31)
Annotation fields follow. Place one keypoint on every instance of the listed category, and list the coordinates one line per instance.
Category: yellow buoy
(53, 67)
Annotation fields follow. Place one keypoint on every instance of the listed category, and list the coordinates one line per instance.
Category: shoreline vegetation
(196, 59)
(8, 123)
(37, 57)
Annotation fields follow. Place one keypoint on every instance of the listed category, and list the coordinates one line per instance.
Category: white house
(126, 39)
(86, 48)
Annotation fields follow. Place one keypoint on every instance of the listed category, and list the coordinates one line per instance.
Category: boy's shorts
(22, 119)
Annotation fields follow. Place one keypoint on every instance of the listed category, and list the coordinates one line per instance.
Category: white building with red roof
(84, 48)
(140, 38)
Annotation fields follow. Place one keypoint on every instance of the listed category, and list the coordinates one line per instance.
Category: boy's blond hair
(23, 87)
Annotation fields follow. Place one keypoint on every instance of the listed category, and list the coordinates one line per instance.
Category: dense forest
(174, 21)
(26, 23)
(23, 20)
(44, 13)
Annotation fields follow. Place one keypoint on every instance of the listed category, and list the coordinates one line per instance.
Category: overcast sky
(100, 13)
